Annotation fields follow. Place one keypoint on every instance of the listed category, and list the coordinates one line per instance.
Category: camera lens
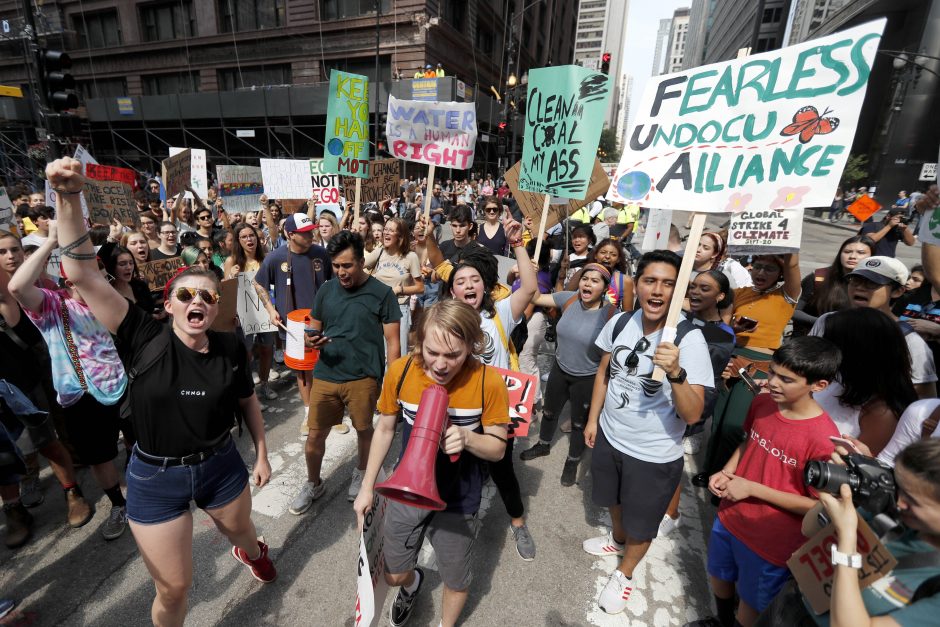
(827, 477)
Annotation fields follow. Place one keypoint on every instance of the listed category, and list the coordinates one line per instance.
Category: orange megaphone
(414, 481)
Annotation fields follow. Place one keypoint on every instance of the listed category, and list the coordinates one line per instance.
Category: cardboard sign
(240, 187)
(765, 232)
(656, 236)
(177, 175)
(157, 273)
(111, 173)
(522, 389)
(864, 207)
(324, 188)
(347, 125)
(228, 307)
(776, 127)
(371, 588)
(813, 570)
(564, 116)
(531, 204)
(199, 175)
(434, 133)
(384, 181)
(109, 201)
(286, 178)
(251, 312)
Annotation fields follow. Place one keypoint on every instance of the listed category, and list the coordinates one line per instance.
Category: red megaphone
(414, 482)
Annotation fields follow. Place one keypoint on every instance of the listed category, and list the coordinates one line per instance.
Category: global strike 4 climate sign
(771, 131)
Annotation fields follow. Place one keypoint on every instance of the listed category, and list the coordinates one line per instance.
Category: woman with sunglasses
(396, 265)
(247, 255)
(491, 234)
(583, 314)
(182, 409)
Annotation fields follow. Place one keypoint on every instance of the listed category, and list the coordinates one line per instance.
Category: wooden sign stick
(356, 204)
(540, 235)
(682, 284)
(428, 191)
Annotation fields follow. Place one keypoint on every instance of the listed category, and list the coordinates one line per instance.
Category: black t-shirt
(186, 401)
(21, 366)
(451, 251)
(156, 254)
(887, 246)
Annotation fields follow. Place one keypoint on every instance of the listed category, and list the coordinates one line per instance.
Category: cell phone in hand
(747, 324)
(749, 381)
(313, 332)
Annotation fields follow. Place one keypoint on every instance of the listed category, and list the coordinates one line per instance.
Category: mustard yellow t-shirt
(772, 310)
(477, 398)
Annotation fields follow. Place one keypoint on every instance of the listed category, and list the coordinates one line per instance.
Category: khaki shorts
(328, 402)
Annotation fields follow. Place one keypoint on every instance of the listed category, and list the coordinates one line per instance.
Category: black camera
(872, 482)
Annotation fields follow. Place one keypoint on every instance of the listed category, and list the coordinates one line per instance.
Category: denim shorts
(157, 494)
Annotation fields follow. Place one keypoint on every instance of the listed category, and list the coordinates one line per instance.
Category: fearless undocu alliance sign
(771, 131)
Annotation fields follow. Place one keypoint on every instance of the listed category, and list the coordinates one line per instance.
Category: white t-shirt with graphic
(639, 416)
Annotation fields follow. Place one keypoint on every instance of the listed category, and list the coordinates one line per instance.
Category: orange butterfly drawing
(807, 122)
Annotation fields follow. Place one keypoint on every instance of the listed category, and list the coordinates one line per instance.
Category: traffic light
(381, 137)
(501, 127)
(58, 83)
(605, 63)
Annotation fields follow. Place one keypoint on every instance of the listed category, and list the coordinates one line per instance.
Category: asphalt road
(74, 577)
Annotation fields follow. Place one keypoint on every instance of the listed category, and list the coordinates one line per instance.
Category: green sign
(347, 125)
(564, 113)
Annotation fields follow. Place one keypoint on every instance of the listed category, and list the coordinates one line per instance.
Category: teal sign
(564, 113)
(347, 126)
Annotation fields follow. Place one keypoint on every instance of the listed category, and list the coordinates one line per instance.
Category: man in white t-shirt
(874, 283)
(635, 424)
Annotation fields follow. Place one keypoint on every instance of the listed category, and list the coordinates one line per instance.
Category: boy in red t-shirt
(763, 494)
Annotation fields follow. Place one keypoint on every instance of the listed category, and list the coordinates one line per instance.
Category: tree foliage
(856, 170)
(608, 150)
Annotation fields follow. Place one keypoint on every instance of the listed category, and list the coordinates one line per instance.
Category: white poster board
(286, 179)
(371, 587)
(240, 187)
(324, 189)
(251, 312)
(656, 236)
(434, 133)
(765, 232)
(775, 127)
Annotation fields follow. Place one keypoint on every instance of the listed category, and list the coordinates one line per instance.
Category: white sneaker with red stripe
(613, 598)
(602, 545)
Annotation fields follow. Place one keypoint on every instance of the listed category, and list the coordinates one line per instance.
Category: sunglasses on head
(186, 294)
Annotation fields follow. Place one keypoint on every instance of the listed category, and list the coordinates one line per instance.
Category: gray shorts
(644, 489)
(450, 534)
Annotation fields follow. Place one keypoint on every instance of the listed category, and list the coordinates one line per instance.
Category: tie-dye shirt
(104, 372)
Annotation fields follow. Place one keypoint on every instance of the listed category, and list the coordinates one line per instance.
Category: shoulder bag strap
(401, 379)
(13, 335)
(70, 344)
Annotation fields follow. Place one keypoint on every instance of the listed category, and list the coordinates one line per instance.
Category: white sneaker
(354, 484)
(693, 444)
(265, 392)
(279, 356)
(602, 545)
(613, 598)
(308, 494)
(273, 375)
(255, 378)
(668, 524)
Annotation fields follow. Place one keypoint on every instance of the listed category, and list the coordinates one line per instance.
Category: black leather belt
(187, 460)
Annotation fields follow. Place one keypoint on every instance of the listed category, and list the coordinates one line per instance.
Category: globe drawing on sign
(634, 185)
(335, 146)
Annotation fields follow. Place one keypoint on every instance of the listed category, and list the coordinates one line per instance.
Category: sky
(642, 23)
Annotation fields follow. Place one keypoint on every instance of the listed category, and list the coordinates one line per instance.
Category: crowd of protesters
(766, 365)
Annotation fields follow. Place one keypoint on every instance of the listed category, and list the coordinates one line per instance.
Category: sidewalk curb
(825, 222)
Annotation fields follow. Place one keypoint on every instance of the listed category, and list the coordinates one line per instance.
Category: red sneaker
(261, 568)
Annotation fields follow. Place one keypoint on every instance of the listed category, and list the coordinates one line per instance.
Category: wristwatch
(853, 560)
(679, 378)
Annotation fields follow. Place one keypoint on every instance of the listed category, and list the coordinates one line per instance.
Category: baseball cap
(882, 270)
(298, 223)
